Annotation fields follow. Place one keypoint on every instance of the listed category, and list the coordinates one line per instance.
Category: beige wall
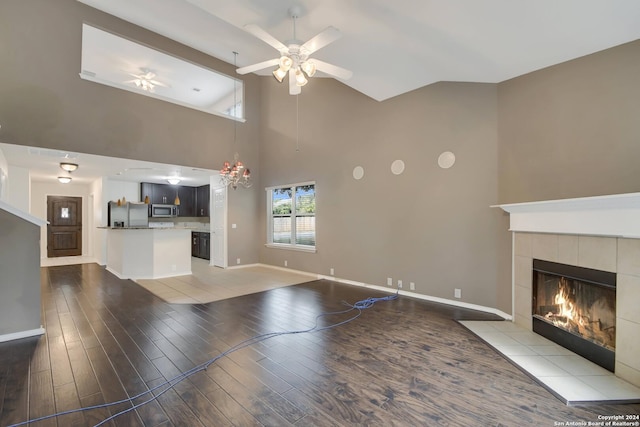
(572, 130)
(566, 131)
(20, 278)
(44, 103)
(430, 226)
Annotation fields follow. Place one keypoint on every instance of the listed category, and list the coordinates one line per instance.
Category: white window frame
(289, 246)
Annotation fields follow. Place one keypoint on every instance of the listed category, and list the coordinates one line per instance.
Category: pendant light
(234, 174)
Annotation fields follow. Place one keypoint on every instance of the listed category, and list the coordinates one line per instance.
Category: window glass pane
(305, 200)
(281, 229)
(281, 201)
(306, 230)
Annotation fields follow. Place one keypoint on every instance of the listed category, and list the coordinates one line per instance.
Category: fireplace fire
(575, 307)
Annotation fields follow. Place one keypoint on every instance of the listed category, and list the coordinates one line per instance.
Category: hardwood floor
(404, 362)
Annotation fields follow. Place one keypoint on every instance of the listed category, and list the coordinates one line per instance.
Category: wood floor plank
(66, 398)
(232, 410)
(107, 339)
(41, 398)
(253, 404)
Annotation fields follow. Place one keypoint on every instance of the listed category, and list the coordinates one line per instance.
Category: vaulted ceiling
(397, 46)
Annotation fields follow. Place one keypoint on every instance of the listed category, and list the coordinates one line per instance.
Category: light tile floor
(207, 283)
(570, 377)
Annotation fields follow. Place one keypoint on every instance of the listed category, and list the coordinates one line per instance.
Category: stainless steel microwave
(163, 211)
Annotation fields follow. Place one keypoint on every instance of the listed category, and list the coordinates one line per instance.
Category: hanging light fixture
(232, 175)
(69, 167)
(296, 61)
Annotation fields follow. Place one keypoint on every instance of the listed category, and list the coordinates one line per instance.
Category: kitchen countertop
(155, 228)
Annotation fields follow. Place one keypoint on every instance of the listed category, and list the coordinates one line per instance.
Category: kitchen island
(148, 253)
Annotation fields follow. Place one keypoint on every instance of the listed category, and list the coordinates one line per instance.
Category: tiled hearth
(571, 378)
(601, 233)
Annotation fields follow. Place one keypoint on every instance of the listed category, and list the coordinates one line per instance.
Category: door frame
(218, 260)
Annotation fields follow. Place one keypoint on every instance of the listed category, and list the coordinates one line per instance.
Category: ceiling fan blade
(259, 66)
(329, 35)
(157, 83)
(265, 37)
(332, 70)
(294, 89)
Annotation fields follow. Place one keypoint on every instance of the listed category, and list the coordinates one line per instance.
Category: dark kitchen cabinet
(202, 200)
(200, 244)
(159, 194)
(195, 244)
(205, 248)
(187, 197)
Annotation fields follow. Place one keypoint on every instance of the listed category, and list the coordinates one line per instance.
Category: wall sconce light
(69, 167)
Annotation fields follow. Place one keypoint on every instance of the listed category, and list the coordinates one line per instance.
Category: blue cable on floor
(169, 384)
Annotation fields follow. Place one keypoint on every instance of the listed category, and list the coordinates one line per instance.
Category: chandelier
(232, 175)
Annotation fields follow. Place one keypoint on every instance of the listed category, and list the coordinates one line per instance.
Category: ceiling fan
(295, 56)
(145, 81)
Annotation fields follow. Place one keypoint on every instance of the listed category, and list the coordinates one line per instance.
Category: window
(291, 212)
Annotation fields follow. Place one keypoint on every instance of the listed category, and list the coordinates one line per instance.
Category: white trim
(401, 292)
(614, 215)
(285, 246)
(392, 290)
(23, 334)
(162, 276)
(299, 184)
(292, 216)
(22, 214)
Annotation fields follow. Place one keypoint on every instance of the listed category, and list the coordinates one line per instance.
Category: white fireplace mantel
(615, 215)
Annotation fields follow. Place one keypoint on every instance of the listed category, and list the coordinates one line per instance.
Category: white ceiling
(44, 165)
(397, 46)
(392, 47)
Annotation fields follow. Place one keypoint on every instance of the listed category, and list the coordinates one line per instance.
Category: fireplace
(576, 308)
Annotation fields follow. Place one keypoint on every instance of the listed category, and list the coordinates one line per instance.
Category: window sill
(291, 247)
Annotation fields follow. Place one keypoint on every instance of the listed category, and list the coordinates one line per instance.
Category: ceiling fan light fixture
(309, 67)
(285, 62)
(64, 179)
(301, 80)
(279, 74)
(69, 167)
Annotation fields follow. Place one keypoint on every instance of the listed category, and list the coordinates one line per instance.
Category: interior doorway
(64, 231)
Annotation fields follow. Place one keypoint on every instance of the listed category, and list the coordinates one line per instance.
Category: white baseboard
(163, 276)
(393, 290)
(23, 334)
(401, 292)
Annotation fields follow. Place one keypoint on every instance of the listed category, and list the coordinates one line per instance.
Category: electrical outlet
(286, 263)
(412, 286)
(331, 271)
(237, 260)
(399, 284)
(457, 293)
(389, 281)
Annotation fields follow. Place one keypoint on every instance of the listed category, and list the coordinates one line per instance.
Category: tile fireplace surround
(602, 233)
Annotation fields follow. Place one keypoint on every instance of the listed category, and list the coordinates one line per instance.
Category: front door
(218, 223)
(64, 232)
